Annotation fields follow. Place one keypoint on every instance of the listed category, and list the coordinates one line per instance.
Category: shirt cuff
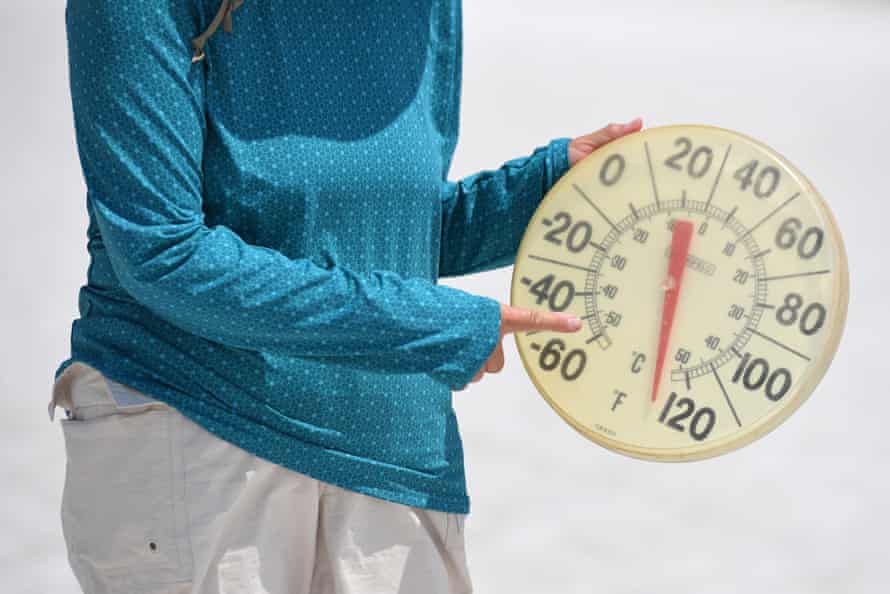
(559, 159)
(480, 346)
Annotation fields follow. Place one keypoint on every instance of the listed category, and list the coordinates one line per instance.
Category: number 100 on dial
(711, 281)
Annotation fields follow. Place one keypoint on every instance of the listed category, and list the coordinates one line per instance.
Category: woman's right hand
(517, 319)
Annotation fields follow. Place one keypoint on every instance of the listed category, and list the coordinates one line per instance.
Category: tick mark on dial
(561, 263)
(597, 209)
(652, 175)
(799, 274)
(729, 217)
(725, 395)
(603, 341)
(758, 254)
(634, 211)
(717, 179)
(598, 246)
(767, 217)
(594, 337)
(778, 343)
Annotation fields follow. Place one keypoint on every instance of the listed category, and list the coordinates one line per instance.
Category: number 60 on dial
(712, 282)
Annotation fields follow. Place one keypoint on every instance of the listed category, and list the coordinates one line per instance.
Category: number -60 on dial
(711, 281)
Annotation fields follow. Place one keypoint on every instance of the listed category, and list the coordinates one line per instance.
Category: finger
(612, 131)
(496, 360)
(478, 375)
(518, 319)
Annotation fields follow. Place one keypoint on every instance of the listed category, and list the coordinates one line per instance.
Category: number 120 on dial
(711, 281)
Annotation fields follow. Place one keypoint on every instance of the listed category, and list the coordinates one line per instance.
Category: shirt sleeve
(484, 215)
(139, 124)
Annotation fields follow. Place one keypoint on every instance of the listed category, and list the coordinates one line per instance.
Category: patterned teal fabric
(267, 227)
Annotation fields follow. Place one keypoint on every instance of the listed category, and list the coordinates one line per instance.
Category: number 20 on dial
(711, 281)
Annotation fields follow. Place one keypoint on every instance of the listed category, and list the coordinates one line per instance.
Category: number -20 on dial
(712, 283)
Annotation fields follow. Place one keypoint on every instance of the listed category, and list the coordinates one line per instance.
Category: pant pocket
(121, 503)
(454, 534)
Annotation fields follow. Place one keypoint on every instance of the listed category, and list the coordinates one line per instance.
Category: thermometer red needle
(679, 250)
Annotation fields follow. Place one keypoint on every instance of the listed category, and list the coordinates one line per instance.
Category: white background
(805, 509)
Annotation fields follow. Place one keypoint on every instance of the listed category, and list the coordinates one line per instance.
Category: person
(258, 397)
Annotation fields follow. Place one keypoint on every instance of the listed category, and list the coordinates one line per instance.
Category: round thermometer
(711, 281)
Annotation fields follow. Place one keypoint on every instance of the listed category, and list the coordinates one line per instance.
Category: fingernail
(574, 322)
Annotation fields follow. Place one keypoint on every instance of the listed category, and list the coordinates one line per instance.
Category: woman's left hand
(584, 145)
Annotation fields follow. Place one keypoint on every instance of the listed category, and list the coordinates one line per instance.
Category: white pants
(155, 504)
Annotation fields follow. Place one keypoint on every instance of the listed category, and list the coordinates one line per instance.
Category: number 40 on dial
(712, 282)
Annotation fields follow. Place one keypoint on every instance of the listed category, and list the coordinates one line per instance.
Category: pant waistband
(83, 387)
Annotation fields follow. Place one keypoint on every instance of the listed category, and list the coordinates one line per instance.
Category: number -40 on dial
(711, 280)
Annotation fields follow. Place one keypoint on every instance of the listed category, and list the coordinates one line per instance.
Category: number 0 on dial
(711, 281)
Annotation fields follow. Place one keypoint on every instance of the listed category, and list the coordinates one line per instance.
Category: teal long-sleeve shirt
(267, 226)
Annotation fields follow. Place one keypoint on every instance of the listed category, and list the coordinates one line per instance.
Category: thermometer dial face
(711, 281)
